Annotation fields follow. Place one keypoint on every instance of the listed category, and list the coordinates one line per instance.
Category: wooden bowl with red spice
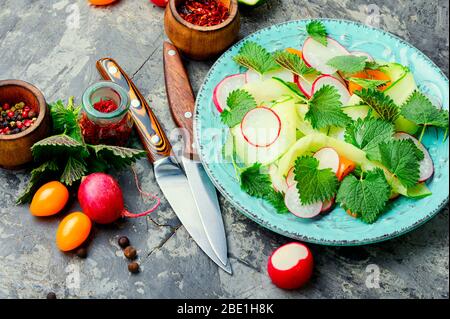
(202, 29)
(15, 147)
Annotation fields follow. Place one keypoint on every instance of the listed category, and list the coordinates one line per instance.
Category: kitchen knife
(182, 102)
(169, 176)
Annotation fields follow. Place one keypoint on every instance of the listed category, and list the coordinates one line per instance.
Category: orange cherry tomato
(346, 166)
(295, 51)
(49, 199)
(101, 2)
(73, 230)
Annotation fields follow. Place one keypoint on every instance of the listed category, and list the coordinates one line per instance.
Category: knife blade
(168, 174)
(181, 103)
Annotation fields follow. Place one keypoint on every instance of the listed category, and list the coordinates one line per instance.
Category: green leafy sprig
(66, 157)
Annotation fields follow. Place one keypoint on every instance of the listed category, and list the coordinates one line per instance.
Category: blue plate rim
(271, 227)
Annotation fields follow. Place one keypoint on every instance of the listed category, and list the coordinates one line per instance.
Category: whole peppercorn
(81, 252)
(130, 252)
(6, 106)
(51, 295)
(10, 114)
(31, 114)
(124, 242)
(133, 267)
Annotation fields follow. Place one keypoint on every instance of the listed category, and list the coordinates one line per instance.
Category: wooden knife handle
(152, 135)
(179, 94)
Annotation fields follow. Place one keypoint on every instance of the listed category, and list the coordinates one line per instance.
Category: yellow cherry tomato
(49, 200)
(73, 230)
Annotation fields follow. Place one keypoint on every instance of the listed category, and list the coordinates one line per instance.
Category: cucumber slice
(357, 111)
(419, 191)
(250, 154)
(250, 4)
(266, 91)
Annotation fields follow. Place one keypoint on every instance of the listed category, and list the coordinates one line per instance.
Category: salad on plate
(319, 126)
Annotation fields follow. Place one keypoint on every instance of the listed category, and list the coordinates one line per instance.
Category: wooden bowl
(201, 43)
(15, 150)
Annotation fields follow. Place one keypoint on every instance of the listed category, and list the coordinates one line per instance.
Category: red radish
(295, 206)
(101, 199)
(327, 206)
(317, 55)
(362, 53)
(224, 88)
(278, 183)
(328, 158)
(290, 178)
(291, 266)
(305, 84)
(331, 80)
(261, 126)
(426, 165)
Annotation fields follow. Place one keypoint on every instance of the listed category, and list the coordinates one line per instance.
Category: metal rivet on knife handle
(152, 136)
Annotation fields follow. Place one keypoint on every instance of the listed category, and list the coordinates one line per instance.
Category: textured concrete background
(55, 43)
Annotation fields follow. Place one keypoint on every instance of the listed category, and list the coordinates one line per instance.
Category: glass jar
(111, 126)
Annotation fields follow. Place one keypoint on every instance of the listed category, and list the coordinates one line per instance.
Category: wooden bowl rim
(231, 17)
(42, 107)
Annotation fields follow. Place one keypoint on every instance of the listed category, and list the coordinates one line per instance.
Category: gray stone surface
(55, 43)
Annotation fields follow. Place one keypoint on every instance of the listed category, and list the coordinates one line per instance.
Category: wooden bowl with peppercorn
(202, 29)
(24, 120)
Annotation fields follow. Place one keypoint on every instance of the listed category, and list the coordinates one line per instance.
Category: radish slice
(330, 80)
(305, 84)
(278, 183)
(252, 76)
(293, 203)
(426, 165)
(327, 206)
(290, 178)
(328, 158)
(362, 53)
(224, 88)
(261, 127)
(317, 55)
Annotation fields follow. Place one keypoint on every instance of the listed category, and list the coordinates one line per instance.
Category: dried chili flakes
(204, 13)
(105, 106)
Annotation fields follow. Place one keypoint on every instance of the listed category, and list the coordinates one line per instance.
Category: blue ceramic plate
(335, 228)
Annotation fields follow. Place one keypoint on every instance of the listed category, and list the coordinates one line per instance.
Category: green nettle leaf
(239, 102)
(366, 196)
(65, 119)
(419, 109)
(314, 184)
(73, 171)
(382, 104)
(325, 109)
(402, 159)
(255, 57)
(258, 184)
(58, 146)
(293, 63)
(38, 176)
(317, 31)
(368, 133)
(117, 156)
(348, 63)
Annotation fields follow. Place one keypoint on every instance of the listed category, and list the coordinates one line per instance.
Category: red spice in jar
(116, 133)
(105, 106)
(204, 13)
